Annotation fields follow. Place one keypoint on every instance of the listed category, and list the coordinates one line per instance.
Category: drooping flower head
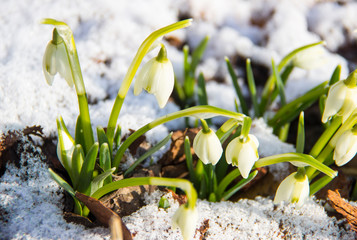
(243, 153)
(294, 188)
(55, 60)
(157, 77)
(185, 218)
(341, 99)
(207, 146)
(310, 58)
(346, 147)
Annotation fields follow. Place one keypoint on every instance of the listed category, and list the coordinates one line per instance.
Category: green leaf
(104, 160)
(189, 161)
(117, 138)
(252, 88)
(243, 104)
(148, 154)
(86, 174)
(102, 137)
(77, 162)
(61, 182)
(239, 185)
(335, 77)
(319, 184)
(198, 53)
(179, 94)
(201, 90)
(79, 136)
(279, 84)
(98, 181)
(300, 138)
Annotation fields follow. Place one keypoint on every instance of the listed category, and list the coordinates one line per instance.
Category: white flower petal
(207, 147)
(62, 64)
(335, 100)
(186, 219)
(285, 189)
(346, 148)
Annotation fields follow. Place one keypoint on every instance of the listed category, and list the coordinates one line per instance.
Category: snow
(107, 35)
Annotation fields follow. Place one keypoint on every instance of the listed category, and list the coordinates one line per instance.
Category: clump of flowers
(210, 178)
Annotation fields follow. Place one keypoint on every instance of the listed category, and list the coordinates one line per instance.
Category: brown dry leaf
(176, 154)
(344, 208)
(102, 213)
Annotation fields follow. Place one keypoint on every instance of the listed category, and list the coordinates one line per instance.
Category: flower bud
(310, 58)
(243, 153)
(295, 189)
(207, 147)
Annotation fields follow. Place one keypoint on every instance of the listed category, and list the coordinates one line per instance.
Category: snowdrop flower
(243, 153)
(55, 60)
(207, 146)
(346, 147)
(309, 58)
(341, 99)
(156, 77)
(185, 218)
(65, 145)
(295, 189)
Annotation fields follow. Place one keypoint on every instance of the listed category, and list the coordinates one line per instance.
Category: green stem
(142, 51)
(197, 111)
(66, 34)
(184, 184)
(288, 157)
(326, 136)
(226, 181)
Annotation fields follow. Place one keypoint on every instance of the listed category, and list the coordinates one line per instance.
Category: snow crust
(107, 35)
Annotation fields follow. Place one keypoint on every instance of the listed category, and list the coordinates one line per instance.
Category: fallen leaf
(102, 213)
(343, 207)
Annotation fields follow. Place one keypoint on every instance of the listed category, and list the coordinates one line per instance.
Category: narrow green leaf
(201, 90)
(300, 138)
(102, 137)
(77, 162)
(252, 88)
(335, 77)
(180, 93)
(243, 104)
(117, 138)
(105, 161)
(198, 53)
(79, 136)
(319, 184)
(98, 181)
(284, 78)
(86, 174)
(279, 84)
(61, 182)
(148, 154)
(189, 161)
(239, 185)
